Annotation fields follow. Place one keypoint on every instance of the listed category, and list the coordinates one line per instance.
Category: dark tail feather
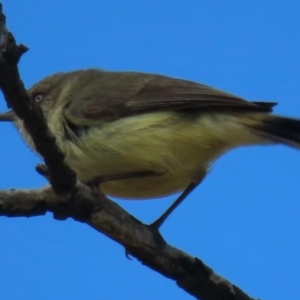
(277, 129)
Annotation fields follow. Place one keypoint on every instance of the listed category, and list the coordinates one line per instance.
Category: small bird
(144, 136)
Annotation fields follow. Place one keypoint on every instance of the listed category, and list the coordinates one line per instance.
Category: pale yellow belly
(165, 143)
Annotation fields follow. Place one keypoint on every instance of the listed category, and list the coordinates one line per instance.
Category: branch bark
(190, 273)
(62, 178)
(65, 198)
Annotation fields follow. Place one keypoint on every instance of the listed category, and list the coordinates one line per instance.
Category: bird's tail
(274, 128)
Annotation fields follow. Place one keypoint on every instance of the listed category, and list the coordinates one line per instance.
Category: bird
(146, 136)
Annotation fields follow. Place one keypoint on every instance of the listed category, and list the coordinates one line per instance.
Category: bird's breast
(176, 148)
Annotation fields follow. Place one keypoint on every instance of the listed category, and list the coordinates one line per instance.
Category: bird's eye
(38, 97)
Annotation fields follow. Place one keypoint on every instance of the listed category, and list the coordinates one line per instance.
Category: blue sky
(244, 219)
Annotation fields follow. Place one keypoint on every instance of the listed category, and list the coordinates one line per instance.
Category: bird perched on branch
(144, 136)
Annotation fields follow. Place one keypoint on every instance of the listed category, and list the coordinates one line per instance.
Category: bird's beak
(8, 116)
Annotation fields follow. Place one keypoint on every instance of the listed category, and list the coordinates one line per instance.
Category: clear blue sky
(243, 221)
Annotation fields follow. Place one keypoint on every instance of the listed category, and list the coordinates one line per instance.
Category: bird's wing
(120, 95)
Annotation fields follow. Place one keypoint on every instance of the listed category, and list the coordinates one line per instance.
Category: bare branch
(62, 178)
(190, 273)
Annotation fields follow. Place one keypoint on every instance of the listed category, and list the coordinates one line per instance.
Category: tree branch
(190, 273)
(62, 178)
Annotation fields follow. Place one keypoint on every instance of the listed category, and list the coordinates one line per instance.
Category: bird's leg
(101, 179)
(157, 223)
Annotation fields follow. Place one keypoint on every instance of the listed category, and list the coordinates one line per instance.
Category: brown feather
(127, 94)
